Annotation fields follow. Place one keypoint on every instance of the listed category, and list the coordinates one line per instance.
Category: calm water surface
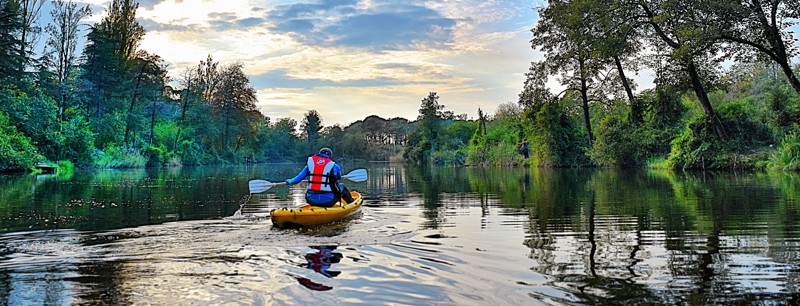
(449, 236)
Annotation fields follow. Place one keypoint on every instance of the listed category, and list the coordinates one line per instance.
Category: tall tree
(566, 38)
(311, 125)
(63, 41)
(111, 68)
(29, 33)
(620, 40)
(208, 77)
(111, 49)
(189, 94)
(64, 35)
(149, 79)
(763, 26)
(233, 97)
(10, 43)
(425, 138)
(675, 24)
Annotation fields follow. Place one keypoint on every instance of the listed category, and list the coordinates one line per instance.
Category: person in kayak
(324, 188)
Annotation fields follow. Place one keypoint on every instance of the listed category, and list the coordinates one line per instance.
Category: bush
(555, 141)
(617, 143)
(75, 142)
(16, 151)
(159, 156)
(117, 157)
(699, 147)
(787, 156)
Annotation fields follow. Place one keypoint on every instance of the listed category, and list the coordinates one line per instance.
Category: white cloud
(482, 66)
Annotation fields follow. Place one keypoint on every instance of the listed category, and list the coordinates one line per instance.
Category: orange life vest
(320, 171)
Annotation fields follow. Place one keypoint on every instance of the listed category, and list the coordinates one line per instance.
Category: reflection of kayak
(315, 215)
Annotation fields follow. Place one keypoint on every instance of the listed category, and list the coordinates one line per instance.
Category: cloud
(149, 4)
(389, 26)
(352, 59)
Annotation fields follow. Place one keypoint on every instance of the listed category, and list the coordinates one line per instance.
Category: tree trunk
(787, 70)
(636, 109)
(705, 103)
(585, 100)
(153, 121)
(132, 105)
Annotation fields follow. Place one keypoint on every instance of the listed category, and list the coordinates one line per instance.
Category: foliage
(624, 141)
(425, 139)
(10, 25)
(697, 148)
(16, 151)
(555, 141)
(118, 157)
(496, 141)
(65, 168)
(74, 142)
(787, 156)
(310, 127)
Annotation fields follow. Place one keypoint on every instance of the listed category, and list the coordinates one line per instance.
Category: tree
(430, 116)
(675, 24)
(311, 126)
(149, 82)
(620, 40)
(10, 25)
(425, 139)
(764, 27)
(233, 96)
(110, 52)
(208, 77)
(29, 32)
(567, 41)
(63, 41)
(189, 94)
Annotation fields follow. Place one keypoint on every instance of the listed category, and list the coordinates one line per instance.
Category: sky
(350, 59)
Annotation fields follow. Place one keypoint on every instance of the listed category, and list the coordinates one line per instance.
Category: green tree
(149, 79)
(62, 42)
(10, 43)
(691, 44)
(764, 27)
(311, 125)
(233, 97)
(30, 31)
(567, 39)
(425, 138)
(110, 69)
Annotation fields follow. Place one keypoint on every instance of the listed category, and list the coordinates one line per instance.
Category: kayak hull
(308, 215)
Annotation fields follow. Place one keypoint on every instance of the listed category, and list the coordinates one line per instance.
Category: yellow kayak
(314, 215)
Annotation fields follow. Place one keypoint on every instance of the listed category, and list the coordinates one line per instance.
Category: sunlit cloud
(351, 59)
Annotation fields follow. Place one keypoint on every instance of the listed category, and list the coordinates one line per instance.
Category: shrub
(117, 157)
(16, 151)
(699, 147)
(787, 157)
(554, 139)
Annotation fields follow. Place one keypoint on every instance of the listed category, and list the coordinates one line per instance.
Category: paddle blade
(358, 175)
(259, 186)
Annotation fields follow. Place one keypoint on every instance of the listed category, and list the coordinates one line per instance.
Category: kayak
(314, 215)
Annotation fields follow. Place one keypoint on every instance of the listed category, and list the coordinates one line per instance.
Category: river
(444, 236)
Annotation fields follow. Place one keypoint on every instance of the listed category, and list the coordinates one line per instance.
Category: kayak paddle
(259, 186)
(358, 175)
